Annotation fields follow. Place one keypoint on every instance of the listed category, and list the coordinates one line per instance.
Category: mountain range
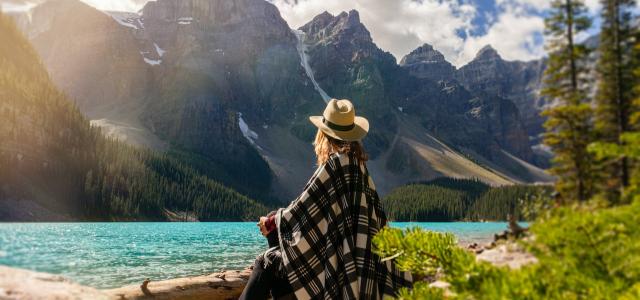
(55, 166)
(226, 88)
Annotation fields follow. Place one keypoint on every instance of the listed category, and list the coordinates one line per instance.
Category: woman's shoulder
(342, 160)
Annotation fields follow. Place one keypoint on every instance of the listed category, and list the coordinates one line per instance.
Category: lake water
(107, 255)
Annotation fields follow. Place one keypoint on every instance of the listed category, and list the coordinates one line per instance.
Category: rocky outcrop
(501, 118)
(427, 62)
(509, 254)
(347, 63)
(517, 81)
(502, 92)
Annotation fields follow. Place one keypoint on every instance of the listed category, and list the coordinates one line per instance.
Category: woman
(321, 243)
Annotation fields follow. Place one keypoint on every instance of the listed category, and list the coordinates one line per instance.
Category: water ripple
(107, 255)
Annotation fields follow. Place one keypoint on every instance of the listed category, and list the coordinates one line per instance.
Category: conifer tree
(628, 145)
(614, 97)
(569, 129)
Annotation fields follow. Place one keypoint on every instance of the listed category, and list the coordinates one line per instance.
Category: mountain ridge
(225, 90)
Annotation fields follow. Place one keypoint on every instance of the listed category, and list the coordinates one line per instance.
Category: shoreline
(24, 284)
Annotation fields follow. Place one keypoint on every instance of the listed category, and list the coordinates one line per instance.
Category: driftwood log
(23, 284)
(224, 285)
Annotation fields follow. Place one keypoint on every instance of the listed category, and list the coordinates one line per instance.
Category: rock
(24, 284)
(510, 254)
(440, 284)
(516, 81)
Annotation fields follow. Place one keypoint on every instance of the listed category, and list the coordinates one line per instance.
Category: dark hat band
(337, 127)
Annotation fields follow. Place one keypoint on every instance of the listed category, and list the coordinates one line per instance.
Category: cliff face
(517, 81)
(502, 89)
(346, 61)
(348, 64)
(79, 46)
(221, 60)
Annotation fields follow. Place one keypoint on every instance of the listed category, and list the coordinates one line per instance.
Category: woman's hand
(261, 225)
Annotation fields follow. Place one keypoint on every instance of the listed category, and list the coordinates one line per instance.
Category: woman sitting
(321, 243)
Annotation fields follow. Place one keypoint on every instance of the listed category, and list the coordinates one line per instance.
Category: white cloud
(109, 5)
(513, 35)
(400, 26)
(117, 5)
(532, 4)
(16, 7)
(397, 26)
(593, 5)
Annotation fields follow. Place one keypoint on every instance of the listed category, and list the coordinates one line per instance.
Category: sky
(457, 28)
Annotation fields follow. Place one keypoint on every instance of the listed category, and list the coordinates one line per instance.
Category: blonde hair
(325, 145)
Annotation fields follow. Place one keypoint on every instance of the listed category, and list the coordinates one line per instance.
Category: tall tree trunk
(570, 47)
(574, 90)
(620, 99)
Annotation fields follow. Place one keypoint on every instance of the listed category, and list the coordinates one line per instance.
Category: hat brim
(358, 132)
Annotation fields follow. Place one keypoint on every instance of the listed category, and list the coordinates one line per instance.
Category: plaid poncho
(325, 236)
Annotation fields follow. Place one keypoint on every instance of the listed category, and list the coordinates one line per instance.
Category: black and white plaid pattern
(325, 236)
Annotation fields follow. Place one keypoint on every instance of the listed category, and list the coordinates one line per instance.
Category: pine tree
(569, 129)
(615, 89)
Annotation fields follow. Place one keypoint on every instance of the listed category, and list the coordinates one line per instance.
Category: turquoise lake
(108, 255)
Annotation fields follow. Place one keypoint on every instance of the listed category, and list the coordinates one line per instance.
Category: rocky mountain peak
(208, 12)
(427, 62)
(423, 54)
(487, 52)
(352, 19)
(346, 26)
(324, 18)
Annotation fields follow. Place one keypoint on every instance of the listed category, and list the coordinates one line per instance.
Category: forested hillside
(448, 199)
(53, 161)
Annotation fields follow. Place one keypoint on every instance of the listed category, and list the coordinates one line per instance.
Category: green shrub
(584, 252)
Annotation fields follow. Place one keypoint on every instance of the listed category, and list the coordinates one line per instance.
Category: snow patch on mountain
(153, 62)
(249, 134)
(159, 50)
(304, 61)
(185, 21)
(127, 19)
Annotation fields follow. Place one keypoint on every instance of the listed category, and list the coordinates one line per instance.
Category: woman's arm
(270, 223)
(267, 224)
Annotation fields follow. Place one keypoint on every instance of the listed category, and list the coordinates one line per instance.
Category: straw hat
(339, 121)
